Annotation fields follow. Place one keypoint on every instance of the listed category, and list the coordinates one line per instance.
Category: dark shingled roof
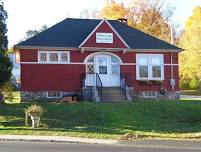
(72, 32)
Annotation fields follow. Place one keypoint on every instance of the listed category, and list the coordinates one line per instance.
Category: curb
(56, 139)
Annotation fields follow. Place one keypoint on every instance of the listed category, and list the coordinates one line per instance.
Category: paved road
(63, 147)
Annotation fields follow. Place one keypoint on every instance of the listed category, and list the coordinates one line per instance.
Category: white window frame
(150, 65)
(49, 97)
(59, 57)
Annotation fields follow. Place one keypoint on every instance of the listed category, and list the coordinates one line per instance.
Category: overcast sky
(32, 14)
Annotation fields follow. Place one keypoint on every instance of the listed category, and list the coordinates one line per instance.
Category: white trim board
(101, 22)
(85, 63)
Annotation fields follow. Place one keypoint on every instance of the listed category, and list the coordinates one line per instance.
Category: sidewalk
(190, 97)
(136, 143)
(56, 139)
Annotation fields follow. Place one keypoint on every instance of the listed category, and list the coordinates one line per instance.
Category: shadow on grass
(161, 117)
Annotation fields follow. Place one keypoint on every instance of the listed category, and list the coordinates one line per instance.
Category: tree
(190, 40)
(113, 10)
(150, 16)
(31, 33)
(5, 63)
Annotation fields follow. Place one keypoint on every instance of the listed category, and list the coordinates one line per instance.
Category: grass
(164, 119)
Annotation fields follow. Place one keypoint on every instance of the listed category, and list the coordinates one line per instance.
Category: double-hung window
(53, 57)
(149, 67)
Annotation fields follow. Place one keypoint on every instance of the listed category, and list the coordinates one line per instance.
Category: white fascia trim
(117, 34)
(155, 50)
(102, 53)
(85, 63)
(50, 63)
(101, 22)
(91, 33)
(46, 48)
(103, 49)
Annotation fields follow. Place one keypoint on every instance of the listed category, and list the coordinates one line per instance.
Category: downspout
(172, 80)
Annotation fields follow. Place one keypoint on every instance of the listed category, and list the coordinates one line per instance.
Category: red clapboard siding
(104, 28)
(67, 77)
(51, 77)
(28, 56)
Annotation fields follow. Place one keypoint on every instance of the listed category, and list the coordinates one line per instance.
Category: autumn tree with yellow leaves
(150, 16)
(190, 59)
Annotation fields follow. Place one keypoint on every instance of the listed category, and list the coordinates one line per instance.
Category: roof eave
(45, 47)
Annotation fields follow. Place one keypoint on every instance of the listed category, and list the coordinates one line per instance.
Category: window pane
(156, 71)
(156, 61)
(115, 69)
(143, 60)
(114, 59)
(43, 57)
(91, 60)
(90, 69)
(102, 69)
(54, 94)
(53, 57)
(64, 57)
(143, 71)
(102, 61)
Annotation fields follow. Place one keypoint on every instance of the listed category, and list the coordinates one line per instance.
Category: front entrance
(108, 68)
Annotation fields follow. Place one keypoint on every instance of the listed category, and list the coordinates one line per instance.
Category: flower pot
(35, 120)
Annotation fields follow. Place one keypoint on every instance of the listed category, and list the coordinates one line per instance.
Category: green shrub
(7, 91)
(194, 84)
(183, 84)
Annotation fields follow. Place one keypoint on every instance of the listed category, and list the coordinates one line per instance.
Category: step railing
(92, 80)
(125, 83)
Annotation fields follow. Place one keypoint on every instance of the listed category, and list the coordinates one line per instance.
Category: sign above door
(104, 38)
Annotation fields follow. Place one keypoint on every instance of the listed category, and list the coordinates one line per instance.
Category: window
(150, 94)
(54, 94)
(102, 61)
(64, 57)
(115, 65)
(53, 57)
(149, 67)
(43, 57)
(90, 66)
(115, 69)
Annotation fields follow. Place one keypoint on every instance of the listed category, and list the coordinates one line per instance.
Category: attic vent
(123, 20)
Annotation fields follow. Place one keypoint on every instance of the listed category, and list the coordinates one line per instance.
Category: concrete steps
(113, 94)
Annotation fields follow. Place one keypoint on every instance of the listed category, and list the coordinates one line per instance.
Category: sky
(24, 15)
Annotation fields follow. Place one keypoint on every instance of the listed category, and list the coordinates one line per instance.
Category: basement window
(54, 94)
(150, 94)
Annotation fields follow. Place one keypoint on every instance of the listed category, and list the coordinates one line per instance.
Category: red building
(97, 60)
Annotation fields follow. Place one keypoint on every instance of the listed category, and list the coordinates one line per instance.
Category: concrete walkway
(190, 97)
(137, 142)
(56, 139)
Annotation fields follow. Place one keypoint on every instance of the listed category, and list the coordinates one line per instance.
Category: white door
(108, 70)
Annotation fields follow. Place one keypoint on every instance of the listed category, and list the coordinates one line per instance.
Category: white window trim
(48, 97)
(149, 66)
(59, 57)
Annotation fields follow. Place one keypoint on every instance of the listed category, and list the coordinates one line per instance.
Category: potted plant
(35, 112)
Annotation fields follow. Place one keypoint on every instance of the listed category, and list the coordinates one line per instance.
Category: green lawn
(165, 119)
